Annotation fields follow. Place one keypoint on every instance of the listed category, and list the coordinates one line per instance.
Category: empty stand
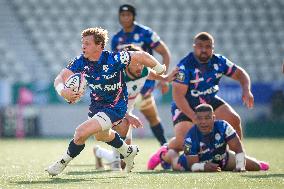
(250, 33)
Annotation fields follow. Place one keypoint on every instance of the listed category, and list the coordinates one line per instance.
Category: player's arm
(196, 166)
(242, 76)
(66, 93)
(163, 50)
(235, 145)
(133, 121)
(179, 92)
(167, 78)
(141, 57)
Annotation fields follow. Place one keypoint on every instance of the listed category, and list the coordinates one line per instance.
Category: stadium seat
(248, 32)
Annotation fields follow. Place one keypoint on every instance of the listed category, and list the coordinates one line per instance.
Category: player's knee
(79, 136)
(103, 136)
(176, 143)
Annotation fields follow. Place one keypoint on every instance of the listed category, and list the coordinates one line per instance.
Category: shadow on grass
(159, 172)
(81, 165)
(51, 181)
(92, 172)
(264, 176)
(54, 180)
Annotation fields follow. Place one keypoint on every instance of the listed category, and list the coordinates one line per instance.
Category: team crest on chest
(217, 136)
(216, 67)
(105, 68)
(136, 37)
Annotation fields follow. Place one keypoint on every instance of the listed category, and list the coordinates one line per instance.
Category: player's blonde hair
(100, 35)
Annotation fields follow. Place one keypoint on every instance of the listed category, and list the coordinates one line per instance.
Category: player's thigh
(226, 112)
(149, 109)
(252, 164)
(105, 136)
(231, 163)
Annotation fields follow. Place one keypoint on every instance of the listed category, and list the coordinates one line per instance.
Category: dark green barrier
(265, 128)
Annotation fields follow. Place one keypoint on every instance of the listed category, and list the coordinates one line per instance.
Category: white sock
(123, 149)
(105, 154)
(66, 158)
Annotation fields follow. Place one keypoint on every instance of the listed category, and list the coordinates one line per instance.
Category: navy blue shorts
(178, 116)
(114, 114)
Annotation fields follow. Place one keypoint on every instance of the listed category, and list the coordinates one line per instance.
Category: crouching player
(206, 148)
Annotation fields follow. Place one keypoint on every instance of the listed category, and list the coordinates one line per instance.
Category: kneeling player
(206, 148)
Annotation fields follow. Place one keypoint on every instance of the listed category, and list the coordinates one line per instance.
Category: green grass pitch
(22, 164)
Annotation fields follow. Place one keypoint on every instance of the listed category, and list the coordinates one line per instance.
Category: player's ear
(213, 116)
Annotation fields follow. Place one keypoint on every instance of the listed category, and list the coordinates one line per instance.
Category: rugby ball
(77, 82)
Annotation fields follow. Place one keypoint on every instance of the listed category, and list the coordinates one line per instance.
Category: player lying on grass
(206, 148)
(135, 77)
(103, 71)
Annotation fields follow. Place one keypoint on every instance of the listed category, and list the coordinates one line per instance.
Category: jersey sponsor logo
(180, 76)
(112, 87)
(155, 38)
(229, 63)
(110, 76)
(229, 130)
(219, 145)
(187, 145)
(197, 80)
(219, 157)
(211, 90)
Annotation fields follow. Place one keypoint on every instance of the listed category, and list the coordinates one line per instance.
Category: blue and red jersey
(106, 80)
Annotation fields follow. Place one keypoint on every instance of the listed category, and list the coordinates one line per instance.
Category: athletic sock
(74, 149)
(119, 144)
(158, 132)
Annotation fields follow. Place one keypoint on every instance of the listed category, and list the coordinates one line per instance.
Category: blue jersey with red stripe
(105, 79)
(211, 147)
(203, 78)
(143, 37)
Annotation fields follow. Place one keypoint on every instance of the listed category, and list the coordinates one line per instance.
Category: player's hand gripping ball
(78, 83)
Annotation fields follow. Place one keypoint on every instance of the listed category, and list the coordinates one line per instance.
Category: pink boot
(155, 159)
(264, 166)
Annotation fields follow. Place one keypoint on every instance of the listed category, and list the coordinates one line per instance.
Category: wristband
(159, 68)
(240, 161)
(59, 88)
(197, 167)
